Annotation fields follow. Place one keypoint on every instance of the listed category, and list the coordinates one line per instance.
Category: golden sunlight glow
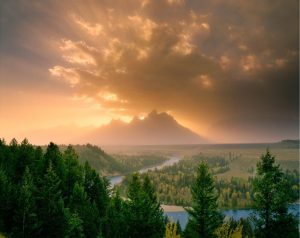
(86, 63)
(92, 29)
(108, 96)
(68, 74)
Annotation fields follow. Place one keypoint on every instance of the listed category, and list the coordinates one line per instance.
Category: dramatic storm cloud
(226, 69)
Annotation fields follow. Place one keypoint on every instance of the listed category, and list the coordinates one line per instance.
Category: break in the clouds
(226, 69)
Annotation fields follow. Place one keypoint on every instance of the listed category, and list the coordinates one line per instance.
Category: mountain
(154, 129)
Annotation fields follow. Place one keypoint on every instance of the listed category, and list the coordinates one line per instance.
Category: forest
(173, 182)
(49, 193)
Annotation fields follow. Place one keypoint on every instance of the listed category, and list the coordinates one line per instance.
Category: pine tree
(51, 210)
(6, 199)
(144, 215)
(73, 172)
(86, 210)
(116, 218)
(204, 214)
(271, 200)
(26, 221)
(37, 164)
(156, 218)
(149, 189)
(74, 225)
(54, 156)
(24, 158)
(96, 188)
(97, 192)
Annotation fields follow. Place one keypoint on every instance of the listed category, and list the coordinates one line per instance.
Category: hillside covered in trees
(48, 193)
(107, 164)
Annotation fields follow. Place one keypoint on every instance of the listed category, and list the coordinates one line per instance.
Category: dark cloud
(205, 61)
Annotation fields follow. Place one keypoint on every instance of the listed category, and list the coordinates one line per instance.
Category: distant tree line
(50, 194)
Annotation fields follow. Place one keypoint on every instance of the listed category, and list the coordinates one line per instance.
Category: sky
(228, 70)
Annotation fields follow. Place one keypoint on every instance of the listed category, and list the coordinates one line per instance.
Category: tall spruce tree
(73, 172)
(144, 215)
(25, 157)
(116, 217)
(271, 200)
(86, 210)
(50, 204)
(204, 215)
(96, 188)
(54, 156)
(6, 201)
(74, 225)
(25, 220)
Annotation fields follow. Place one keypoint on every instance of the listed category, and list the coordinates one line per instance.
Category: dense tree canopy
(49, 193)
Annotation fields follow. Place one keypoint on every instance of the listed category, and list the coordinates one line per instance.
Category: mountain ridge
(155, 129)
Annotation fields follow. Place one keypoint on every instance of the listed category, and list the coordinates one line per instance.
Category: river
(182, 216)
(118, 179)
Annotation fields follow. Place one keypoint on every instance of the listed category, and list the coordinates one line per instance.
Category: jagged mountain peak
(156, 128)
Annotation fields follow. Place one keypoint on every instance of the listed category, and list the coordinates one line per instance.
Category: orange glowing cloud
(212, 64)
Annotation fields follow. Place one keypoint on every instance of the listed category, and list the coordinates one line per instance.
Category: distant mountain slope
(155, 129)
(98, 159)
(108, 165)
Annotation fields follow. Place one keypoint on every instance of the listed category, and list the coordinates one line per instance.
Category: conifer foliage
(272, 194)
(49, 194)
(144, 214)
(205, 217)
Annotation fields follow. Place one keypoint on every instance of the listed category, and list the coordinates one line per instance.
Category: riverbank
(172, 208)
